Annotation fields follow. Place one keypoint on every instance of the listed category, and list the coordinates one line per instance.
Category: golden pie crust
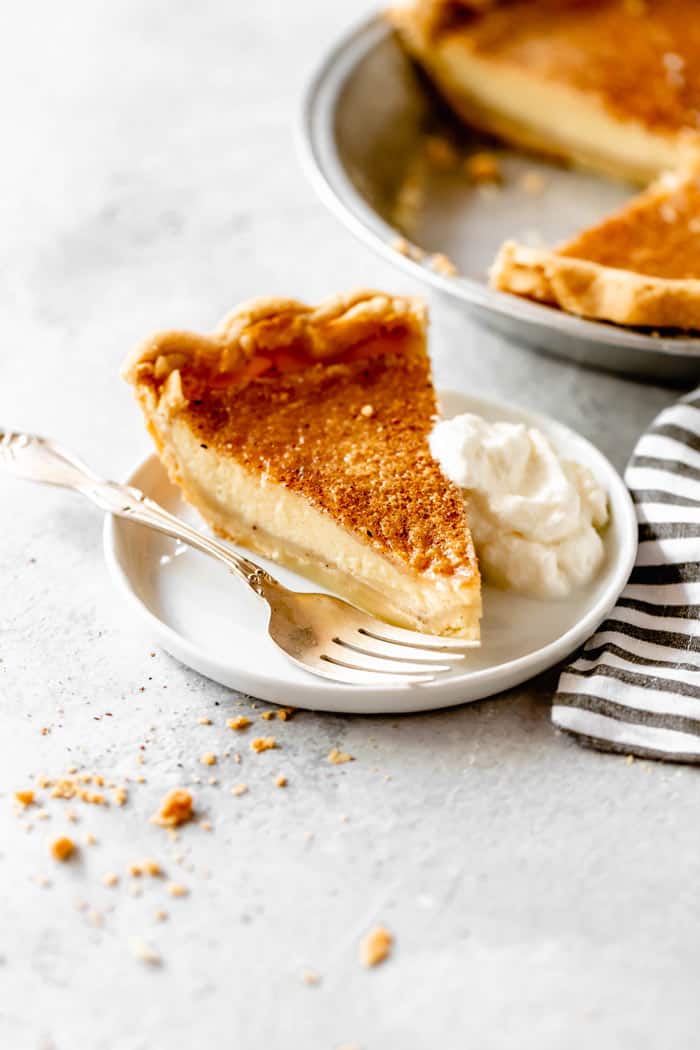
(640, 266)
(302, 433)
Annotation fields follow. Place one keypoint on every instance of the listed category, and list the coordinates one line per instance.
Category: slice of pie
(640, 266)
(611, 84)
(302, 433)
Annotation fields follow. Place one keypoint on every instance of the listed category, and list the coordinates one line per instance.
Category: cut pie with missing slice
(302, 434)
(612, 84)
(640, 266)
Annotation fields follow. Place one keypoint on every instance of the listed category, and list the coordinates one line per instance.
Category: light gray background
(541, 895)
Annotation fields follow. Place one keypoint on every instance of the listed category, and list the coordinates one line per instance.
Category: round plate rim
(479, 684)
(333, 186)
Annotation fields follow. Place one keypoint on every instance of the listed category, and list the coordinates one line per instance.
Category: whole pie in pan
(610, 84)
(302, 433)
(640, 266)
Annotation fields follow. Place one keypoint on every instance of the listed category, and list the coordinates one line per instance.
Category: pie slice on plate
(302, 434)
(611, 84)
(640, 266)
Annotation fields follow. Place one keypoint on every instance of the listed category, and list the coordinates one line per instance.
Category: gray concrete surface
(541, 895)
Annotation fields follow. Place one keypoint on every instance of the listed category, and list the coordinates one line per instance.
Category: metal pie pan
(366, 114)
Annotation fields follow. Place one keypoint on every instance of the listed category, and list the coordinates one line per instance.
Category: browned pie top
(641, 57)
(657, 234)
(345, 428)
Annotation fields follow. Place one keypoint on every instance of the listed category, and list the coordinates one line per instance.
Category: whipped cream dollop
(534, 517)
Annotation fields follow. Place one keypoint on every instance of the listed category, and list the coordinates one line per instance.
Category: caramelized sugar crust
(657, 234)
(344, 422)
(641, 57)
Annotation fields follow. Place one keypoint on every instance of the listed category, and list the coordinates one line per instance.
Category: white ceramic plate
(204, 617)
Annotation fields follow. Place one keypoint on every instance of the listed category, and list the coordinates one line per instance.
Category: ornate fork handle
(36, 459)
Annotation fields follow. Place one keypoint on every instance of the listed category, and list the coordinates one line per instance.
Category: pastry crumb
(309, 977)
(175, 809)
(152, 868)
(285, 713)
(483, 167)
(160, 915)
(440, 263)
(440, 152)
(120, 795)
(206, 825)
(208, 759)
(280, 781)
(338, 758)
(267, 715)
(204, 721)
(239, 722)
(110, 879)
(263, 743)
(239, 789)
(533, 183)
(375, 946)
(407, 249)
(62, 848)
(25, 797)
(176, 889)
(144, 952)
(90, 839)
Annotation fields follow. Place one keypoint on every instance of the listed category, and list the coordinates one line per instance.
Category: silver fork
(320, 633)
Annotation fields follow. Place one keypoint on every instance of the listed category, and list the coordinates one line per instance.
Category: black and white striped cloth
(635, 686)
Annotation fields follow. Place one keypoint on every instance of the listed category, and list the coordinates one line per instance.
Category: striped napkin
(635, 685)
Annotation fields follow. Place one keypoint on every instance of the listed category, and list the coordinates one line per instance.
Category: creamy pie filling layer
(549, 118)
(297, 536)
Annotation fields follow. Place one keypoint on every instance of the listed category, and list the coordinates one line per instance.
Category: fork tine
(431, 642)
(342, 654)
(347, 675)
(366, 645)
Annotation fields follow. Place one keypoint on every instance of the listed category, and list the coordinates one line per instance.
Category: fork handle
(34, 458)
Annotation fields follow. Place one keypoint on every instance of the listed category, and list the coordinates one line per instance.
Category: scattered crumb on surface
(110, 879)
(25, 797)
(175, 809)
(152, 868)
(440, 152)
(280, 781)
(285, 713)
(206, 825)
(208, 759)
(120, 795)
(407, 249)
(143, 951)
(375, 946)
(337, 758)
(533, 183)
(483, 167)
(90, 839)
(267, 716)
(440, 263)
(239, 789)
(309, 977)
(237, 758)
(160, 915)
(204, 721)
(239, 722)
(62, 848)
(263, 743)
(176, 889)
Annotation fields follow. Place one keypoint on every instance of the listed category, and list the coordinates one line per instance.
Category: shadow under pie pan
(214, 624)
(366, 117)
